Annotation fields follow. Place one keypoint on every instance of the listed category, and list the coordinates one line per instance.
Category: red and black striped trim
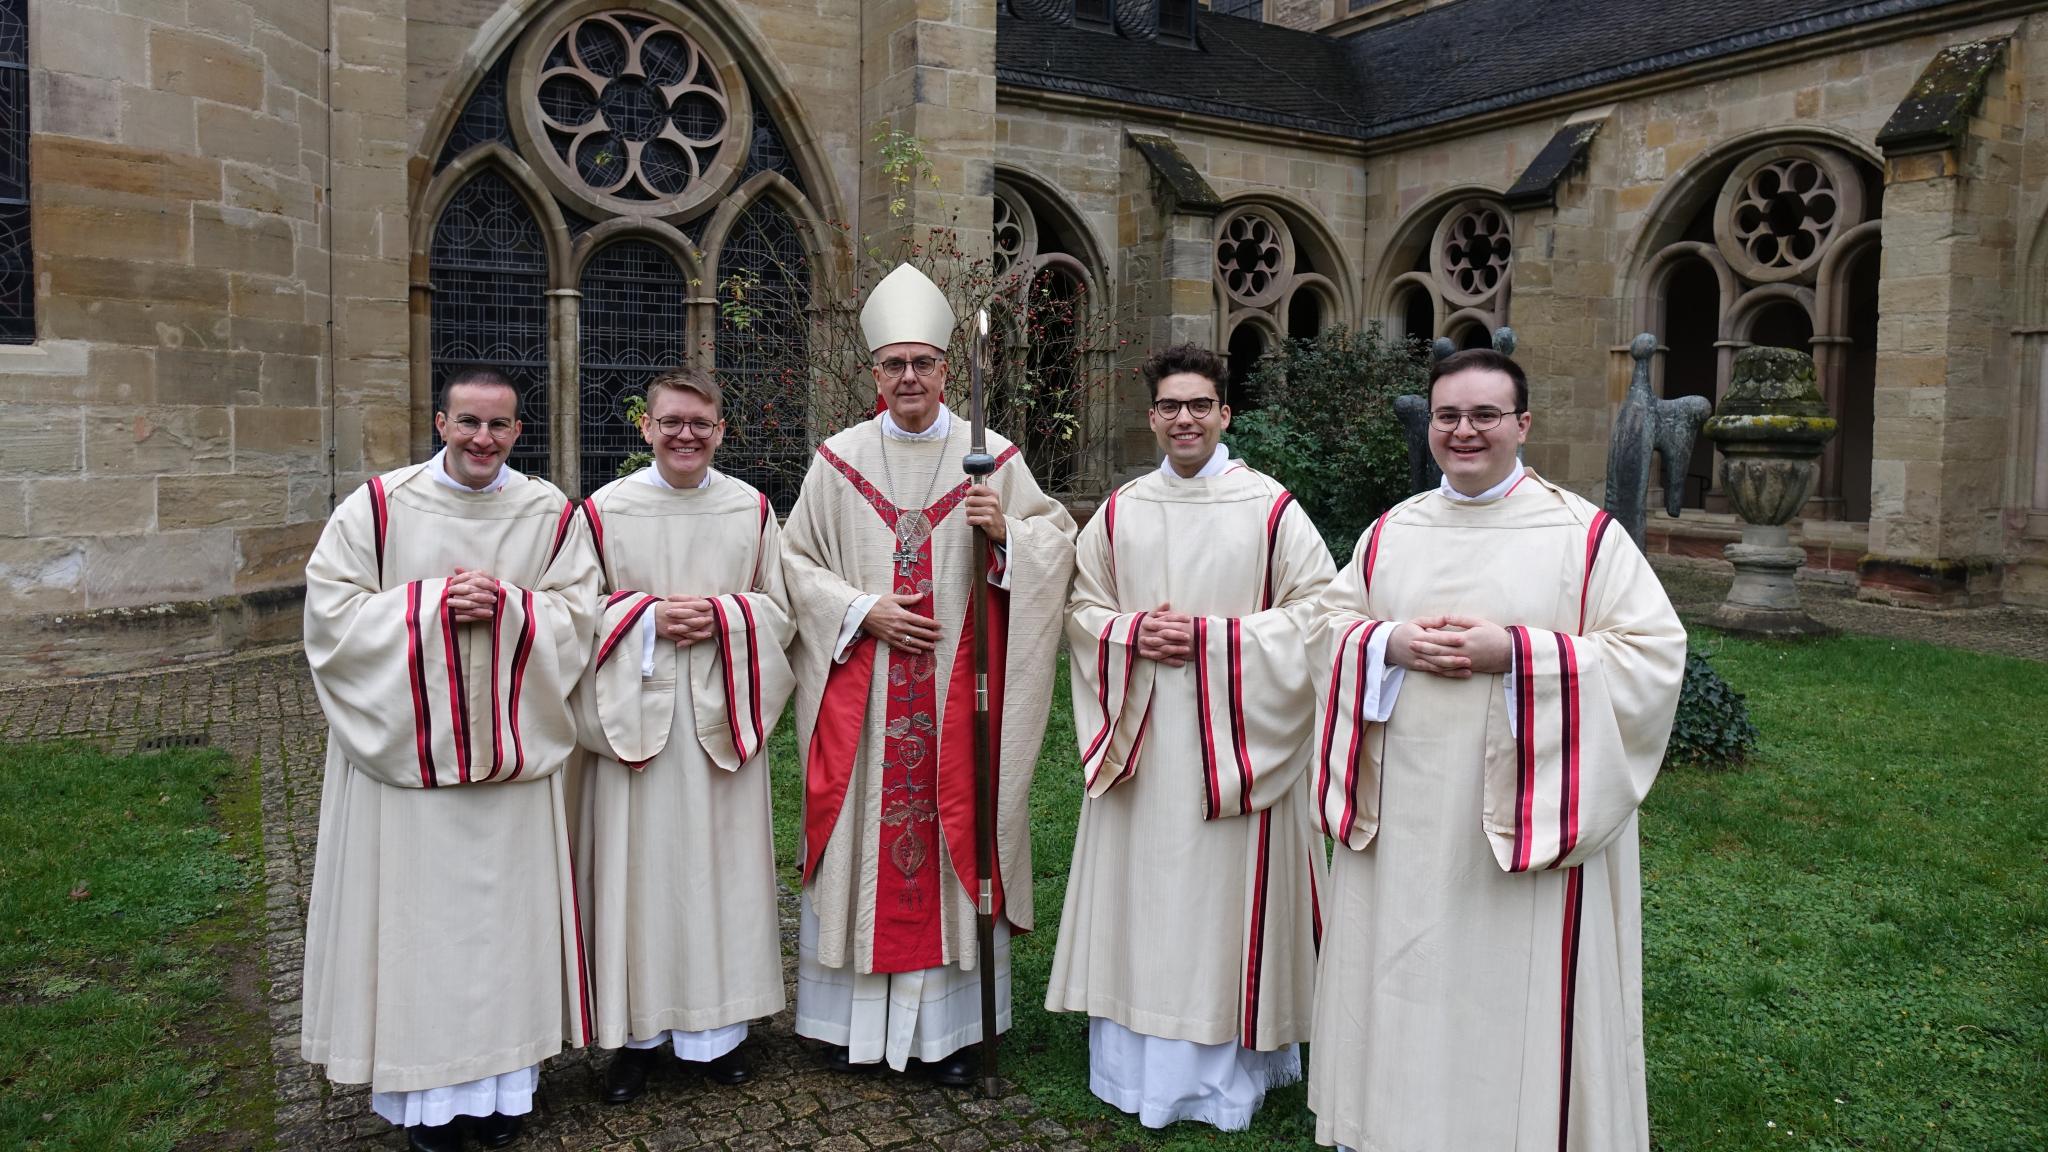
(521, 649)
(1568, 803)
(1109, 531)
(1595, 534)
(760, 544)
(380, 521)
(589, 507)
(1315, 901)
(416, 669)
(1212, 795)
(753, 671)
(497, 713)
(1525, 745)
(632, 617)
(1356, 755)
(1233, 646)
(1280, 505)
(458, 694)
(562, 530)
(582, 965)
(1255, 951)
(1574, 917)
(1330, 728)
(1372, 553)
(732, 691)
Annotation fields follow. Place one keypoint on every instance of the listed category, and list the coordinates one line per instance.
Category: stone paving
(262, 706)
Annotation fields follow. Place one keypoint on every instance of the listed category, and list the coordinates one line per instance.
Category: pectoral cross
(906, 558)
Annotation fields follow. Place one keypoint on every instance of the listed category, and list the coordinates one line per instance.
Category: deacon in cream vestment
(443, 961)
(877, 556)
(676, 848)
(1190, 926)
(1481, 980)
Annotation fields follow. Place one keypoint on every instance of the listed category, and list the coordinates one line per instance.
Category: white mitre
(907, 308)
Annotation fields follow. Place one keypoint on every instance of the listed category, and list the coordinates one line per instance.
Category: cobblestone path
(262, 706)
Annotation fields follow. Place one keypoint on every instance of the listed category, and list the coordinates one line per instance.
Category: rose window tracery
(632, 114)
(1781, 208)
(1253, 258)
(1473, 250)
(1012, 241)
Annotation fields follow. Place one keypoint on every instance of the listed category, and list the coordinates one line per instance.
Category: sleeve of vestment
(1111, 685)
(389, 668)
(1254, 700)
(1592, 712)
(1346, 665)
(741, 677)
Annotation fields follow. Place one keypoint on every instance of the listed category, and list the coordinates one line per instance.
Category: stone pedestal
(1764, 600)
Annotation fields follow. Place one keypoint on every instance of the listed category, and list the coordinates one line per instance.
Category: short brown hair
(480, 376)
(689, 380)
(1484, 360)
(1185, 358)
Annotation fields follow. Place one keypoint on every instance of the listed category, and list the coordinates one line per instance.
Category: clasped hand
(684, 620)
(473, 595)
(891, 621)
(1451, 646)
(1167, 636)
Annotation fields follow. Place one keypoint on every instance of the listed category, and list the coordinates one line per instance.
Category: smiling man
(687, 678)
(447, 609)
(1189, 930)
(1498, 668)
(879, 559)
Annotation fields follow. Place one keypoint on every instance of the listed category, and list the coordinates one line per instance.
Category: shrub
(1712, 729)
(1326, 426)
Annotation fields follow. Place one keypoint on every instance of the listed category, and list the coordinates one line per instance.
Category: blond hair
(688, 380)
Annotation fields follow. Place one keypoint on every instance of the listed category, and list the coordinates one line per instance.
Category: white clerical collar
(651, 475)
(1494, 493)
(1219, 462)
(439, 467)
(941, 428)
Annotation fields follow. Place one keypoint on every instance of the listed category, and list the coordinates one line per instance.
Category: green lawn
(1846, 940)
(130, 991)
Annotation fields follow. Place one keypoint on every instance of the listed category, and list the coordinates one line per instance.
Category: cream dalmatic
(1481, 974)
(1191, 905)
(441, 938)
(676, 850)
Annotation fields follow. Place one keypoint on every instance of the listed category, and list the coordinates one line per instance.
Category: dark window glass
(632, 327)
(1093, 12)
(490, 271)
(17, 261)
(763, 351)
(1177, 19)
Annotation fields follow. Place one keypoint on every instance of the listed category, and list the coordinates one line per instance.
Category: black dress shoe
(955, 1071)
(497, 1129)
(625, 1078)
(434, 1137)
(839, 1058)
(730, 1069)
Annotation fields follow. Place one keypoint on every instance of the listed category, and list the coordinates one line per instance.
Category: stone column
(1167, 226)
(928, 68)
(1943, 400)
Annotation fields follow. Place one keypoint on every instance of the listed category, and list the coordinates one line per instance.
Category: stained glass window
(483, 118)
(632, 327)
(763, 351)
(489, 270)
(17, 263)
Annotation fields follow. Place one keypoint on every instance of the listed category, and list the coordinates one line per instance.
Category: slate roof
(1450, 62)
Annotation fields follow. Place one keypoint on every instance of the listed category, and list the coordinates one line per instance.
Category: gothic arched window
(631, 326)
(489, 270)
(763, 350)
(17, 264)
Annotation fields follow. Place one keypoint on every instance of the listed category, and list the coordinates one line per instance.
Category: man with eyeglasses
(447, 610)
(1189, 930)
(878, 557)
(687, 677)
(1497, 670)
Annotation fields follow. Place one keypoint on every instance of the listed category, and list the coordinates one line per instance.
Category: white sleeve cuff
(999, 566)
(849, 628)
(647, 642)
(1382, 680)
(1507, 687)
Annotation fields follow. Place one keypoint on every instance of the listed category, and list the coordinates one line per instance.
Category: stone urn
(1770, 427)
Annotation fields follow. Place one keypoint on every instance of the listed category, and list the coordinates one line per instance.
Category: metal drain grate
(181, 740)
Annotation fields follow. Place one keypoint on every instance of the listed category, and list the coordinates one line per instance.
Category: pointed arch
(439, 190)
(1407, 247)
(663, 235)
(768, 85)
(819, 240)
(1310, 233)
(1047, 199)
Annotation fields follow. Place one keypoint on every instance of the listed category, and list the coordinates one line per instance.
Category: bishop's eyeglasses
(1199, 407)
(1481, 419)
(924, 366)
